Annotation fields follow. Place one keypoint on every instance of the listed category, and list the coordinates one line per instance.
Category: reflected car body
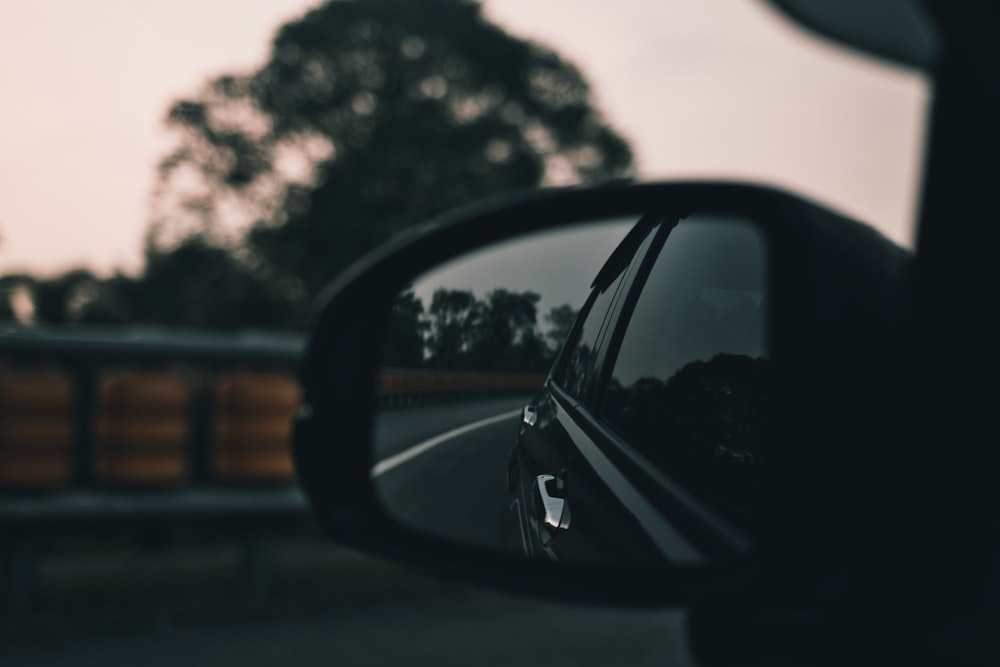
(649, 439)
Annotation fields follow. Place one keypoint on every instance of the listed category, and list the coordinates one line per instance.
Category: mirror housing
(901, 31)
(838, 300)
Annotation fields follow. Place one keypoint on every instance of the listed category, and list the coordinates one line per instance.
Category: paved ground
(326, 606)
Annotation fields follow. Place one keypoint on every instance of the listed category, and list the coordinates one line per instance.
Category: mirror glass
(595, 393)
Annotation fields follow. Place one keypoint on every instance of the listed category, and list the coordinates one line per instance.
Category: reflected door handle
(556, 511)
(529, 415)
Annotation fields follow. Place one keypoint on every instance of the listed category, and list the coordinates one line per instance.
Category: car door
(547, 456)
(596, 479)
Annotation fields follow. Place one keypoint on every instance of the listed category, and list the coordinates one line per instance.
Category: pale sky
(702, 88)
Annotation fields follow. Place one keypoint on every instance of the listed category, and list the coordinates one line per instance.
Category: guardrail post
(85, 377)
(200, 451)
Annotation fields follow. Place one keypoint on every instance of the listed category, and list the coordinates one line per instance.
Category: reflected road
(443, 468)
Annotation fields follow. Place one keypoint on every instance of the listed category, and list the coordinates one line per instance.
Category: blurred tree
(60, 300)
(10, 285)
(195, 284)
(115, 301)
(200, 284)
(370, 116)
(7, 313)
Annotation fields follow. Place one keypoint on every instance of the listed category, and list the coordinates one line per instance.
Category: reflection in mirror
(647, 436)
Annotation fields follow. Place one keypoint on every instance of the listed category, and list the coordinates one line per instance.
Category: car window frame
(624, 316)
(648, 227)
(716, 535)
(620, 447)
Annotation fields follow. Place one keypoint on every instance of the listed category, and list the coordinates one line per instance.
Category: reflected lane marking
(388, 464)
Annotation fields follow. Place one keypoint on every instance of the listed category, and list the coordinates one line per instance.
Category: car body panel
(624, 507)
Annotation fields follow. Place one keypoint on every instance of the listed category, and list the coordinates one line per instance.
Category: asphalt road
(331, 607)
(443, 468)
(397, 430)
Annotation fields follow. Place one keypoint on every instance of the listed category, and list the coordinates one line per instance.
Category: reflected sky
(558, 265)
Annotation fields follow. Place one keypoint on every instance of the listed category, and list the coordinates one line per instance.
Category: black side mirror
(622, 393)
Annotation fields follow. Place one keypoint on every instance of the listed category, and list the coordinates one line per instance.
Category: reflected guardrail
(398, 387)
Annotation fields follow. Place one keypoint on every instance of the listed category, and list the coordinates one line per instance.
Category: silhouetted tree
(498, 333)
(116, 300)
(532, 355)
(196, 284)
(404, 344)
(507, 327)
(707, 424)
(561, 319)
(370, 116)
(454, 319)
(9, 285)
(62, 299)
(6, 307)
(202, 284)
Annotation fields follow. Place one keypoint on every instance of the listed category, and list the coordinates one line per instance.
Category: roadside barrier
(252, 417)
(398, 387)
(143, 429)
(36, 428)
(106, 435)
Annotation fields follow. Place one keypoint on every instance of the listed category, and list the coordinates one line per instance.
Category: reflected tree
(506, 335)
(454, 319)
(560, 319)
(498, 333)
(405, 334)
(708, 424)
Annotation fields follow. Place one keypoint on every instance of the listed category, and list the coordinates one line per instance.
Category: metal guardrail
(74, 344)
(89, 356)
(85, 505)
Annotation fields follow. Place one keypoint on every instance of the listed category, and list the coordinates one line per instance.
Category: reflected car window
(582, 366)
(689, 384)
